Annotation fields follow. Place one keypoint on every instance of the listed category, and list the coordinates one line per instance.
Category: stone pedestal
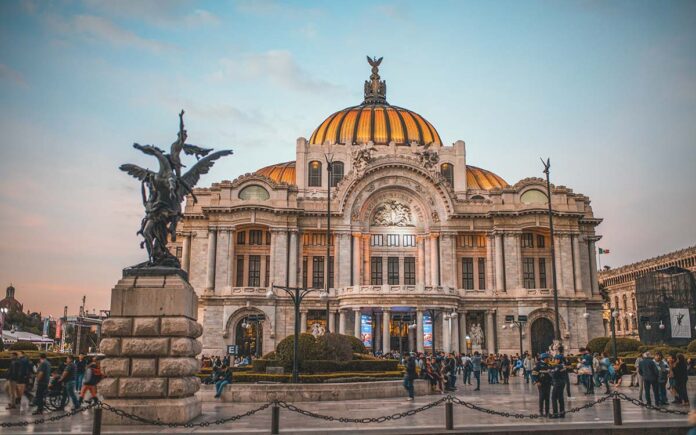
(150, 346)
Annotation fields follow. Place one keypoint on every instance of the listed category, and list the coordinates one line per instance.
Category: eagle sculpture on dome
(375, 89)
(164, 190)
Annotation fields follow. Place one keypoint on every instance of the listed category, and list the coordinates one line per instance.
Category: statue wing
(196, 150)
(191, 177)
(148, 149)
(136, 171)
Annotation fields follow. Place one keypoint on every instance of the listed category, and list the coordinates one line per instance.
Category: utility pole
(557, 329)
(329, 169)
(76, 351)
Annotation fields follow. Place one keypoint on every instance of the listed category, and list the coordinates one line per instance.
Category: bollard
(275, 419)
(617, 411)
(96, 424)
(449, 419)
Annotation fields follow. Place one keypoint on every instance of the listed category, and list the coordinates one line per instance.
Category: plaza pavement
(516, 397)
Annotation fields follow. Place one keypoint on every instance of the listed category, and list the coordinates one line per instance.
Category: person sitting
(224, 378)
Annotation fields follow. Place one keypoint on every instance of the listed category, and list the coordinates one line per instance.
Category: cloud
(103, 29)
(277, 66)
(161, 13)
(10, 75)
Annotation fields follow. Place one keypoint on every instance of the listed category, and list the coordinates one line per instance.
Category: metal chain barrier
(143, 420)
(364, 420)
(638, 403)
(520, 416)
(51, 419)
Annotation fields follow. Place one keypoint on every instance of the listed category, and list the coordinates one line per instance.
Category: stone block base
(165, 410)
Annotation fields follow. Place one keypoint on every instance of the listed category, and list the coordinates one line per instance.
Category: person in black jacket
(558, 380)
(647, 369)
(13, 374)
(542, 374)
(409, 376)
(681, 377)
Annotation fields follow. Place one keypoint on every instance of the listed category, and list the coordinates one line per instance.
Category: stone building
(425, 250)
(620, 285)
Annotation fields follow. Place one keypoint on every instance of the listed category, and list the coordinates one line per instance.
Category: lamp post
(612, 324)
(547, 171)
(329, 168)
(255, 320)
(511, 323)
(297, 294)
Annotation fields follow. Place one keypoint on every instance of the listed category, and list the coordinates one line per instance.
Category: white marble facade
(470, 244)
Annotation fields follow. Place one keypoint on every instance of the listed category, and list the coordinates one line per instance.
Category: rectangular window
(527, 240)
(254, 270)
(482, 273)
(528, 273)
(267, 275)
(480, 241)
(465, 241)
(541, 241)
(331, 272)
(240, 271)
(392, 240)
(255, 237)
(542, 273)
(409, 241)
(393, 270)
(317, 272)
(409, 270)
(241, 237)
(268, 237)
(468, 273)
(304, 272)
(376, 270)
(376, 240)
(179, 250)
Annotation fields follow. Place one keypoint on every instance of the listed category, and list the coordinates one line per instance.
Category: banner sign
(681, 323)
(59, 328)
(427, 330)
(45, 327)
(366, 329)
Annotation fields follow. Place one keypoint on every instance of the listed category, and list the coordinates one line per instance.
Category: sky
(606, 89)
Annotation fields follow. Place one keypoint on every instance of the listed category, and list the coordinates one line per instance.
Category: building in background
(620, 286)
(417, 235)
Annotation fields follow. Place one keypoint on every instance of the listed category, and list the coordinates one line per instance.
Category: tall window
(268, 237)
(541, 241)
(376, 270)
(239, 281)
(409, 270)
(314, 173)
(409, 240)
(447, 170)
(468, 273)
(267, 274)
(625, 302)
(255, 237)
(254, 270)
(241, 237)
(542, 273)
(304, 272)
(336, 173)
(527, 240)
(331, 272)
(616, 302)
(528, 273)
(482, 273)
(376, 240)
(317, 272)
(392, 240)
(393, 270)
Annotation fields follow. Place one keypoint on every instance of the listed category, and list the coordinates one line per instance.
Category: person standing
(662, 377)
(80, 367)
(466, 363)
(43, 375)
(505, 368)
(68, 380)
(558, 379)
(90, 381)
(543, 381)
(527, 366)
(13, 372)
(26, 369)
(638, 378)
(648, 371)
(451, 371)
(476, 369)
(410, 376)
(681, 377)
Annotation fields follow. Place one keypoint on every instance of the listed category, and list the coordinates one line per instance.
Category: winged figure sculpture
(163, 192)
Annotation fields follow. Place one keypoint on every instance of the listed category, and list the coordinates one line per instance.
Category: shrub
(23, 345)
(356, 344)
(691, 348)
(259, 365)
(666, 350)
(307, 349)
(270, 355)
(597, 344)
(622, 345)
(323, 366)
(334, 347)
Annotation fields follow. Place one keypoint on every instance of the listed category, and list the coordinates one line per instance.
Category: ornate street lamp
(511, 323)
(329, 168)
(557, 329)
(297, 294)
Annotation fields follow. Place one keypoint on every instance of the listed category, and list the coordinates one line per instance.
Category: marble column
(357, 246)
(462, 332)
(594, 285)
(343, 260)
(273, 255)
(411, 340)
(342, 322)
(186, 252)
(303, 321)
(357, 322)
(332, 321)
(558, 243)
(419, 331)
(366, 259)
(455, 347)
(518, 249)
(420, 261)
(434, 281)
(386, 336)
(377, 333)
(446, 333)
(577, 270)
(499, 264)
(490, 332)
(212, 247)
(294, 235)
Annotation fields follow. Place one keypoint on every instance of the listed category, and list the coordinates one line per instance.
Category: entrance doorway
(542, 335)
(249, 336)
(399, 336)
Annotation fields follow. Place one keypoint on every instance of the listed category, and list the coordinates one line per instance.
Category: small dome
(280, 172)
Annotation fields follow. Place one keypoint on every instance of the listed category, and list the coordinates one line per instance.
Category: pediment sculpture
(392, 214)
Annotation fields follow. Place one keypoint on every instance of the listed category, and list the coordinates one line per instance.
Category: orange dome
(476, 178)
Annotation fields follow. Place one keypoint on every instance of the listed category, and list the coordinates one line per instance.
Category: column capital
(434, 235)
(279, 230)
(356, 234)
(386, 309)
(357, 309)
(463, 312)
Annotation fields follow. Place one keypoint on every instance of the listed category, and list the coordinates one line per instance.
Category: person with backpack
(90, 380)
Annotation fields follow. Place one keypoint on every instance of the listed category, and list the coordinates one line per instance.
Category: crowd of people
(73, 380)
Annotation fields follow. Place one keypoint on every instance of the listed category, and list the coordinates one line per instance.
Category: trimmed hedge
(667, 350)
(622, 345)
(325, 366)
(23, 345)
(596, 345)
(318, 378)
(691, 348)
(335, 347)
(307, 349)
(356, 344)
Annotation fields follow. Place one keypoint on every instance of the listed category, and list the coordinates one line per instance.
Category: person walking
(543, 382)
(409, 376)
(558, 379)
(43, 375)
(80, 368)
(505, 368)
(476, 369)
(26, 370)
(13, 373)
(604, 371)
(681, 377)
(89, 382)
(527, 366)
(638, 378)
(68, 381)
(648, 371)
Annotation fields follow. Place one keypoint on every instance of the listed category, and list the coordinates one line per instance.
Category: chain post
(96, 424)
(449, 417)
(617, 411)
(275, 419)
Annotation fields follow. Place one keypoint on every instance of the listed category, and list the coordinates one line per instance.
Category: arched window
(633, 302)
(626, 325)
(314, 172)
(336, 173)
(447, 170)
(477, 198)
(254, 192)
(533, 196)
(616, 302)
(625, 302)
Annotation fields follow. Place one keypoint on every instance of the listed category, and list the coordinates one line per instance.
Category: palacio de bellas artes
(381, 217)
